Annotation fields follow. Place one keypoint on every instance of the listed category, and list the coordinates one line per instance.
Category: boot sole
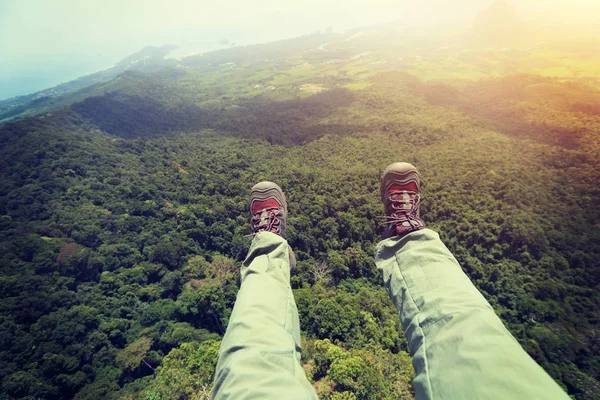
(399, 173)
(267, 190)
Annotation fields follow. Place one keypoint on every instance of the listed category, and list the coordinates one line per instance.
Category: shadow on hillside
(286, 122)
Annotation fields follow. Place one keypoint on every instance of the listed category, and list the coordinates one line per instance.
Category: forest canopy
(123, 217)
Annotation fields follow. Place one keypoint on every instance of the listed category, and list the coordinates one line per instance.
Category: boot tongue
(410, 187)
(258, 206)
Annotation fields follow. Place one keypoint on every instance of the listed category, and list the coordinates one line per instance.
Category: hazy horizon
(44, 44)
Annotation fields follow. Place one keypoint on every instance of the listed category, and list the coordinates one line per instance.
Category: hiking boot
(268, 208)
(269, 212)
(400, 195)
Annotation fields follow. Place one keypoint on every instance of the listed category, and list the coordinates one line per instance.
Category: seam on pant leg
(429, 387)
(287, 318)
(284, 359)
(425, 358)
(309, 394)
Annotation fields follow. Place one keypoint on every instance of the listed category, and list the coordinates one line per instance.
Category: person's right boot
(400, 193)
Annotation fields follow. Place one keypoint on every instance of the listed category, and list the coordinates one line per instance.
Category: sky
(47, 42)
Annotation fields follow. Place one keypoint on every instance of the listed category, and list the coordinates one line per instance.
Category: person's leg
(460, 348)
(259, 356)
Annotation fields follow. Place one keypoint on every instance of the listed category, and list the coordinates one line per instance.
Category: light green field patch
(584, 68)
(293, 75)
(561, 72)
(356, 69)
(428, 70)
(356, 85)
(331, 72)
(564, 66)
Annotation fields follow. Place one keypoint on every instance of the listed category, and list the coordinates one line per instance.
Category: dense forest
(123, 216)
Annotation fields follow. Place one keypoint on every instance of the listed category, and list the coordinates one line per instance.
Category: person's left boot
(269, 212)
(268, 208)
(400, 193)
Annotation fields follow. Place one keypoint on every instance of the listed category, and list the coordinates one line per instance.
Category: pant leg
(460, 348)
(259, 356)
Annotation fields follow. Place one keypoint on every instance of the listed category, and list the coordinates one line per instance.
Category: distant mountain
(149, 59)
(152, 59)
(497, 24)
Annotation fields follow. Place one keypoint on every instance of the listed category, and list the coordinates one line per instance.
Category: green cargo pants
(460, 348)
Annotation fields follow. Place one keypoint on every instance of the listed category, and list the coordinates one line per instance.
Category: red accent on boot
(258, 206)
(410, 186)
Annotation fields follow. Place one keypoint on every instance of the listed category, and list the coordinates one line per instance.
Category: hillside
(146, 60)
(123, 213)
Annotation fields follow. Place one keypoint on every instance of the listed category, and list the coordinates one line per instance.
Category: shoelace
(404, 207)
(268, 220)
